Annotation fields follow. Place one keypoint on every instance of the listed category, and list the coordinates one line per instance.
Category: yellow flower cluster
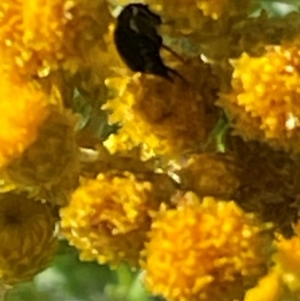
(38, 37)
(27, 237)
(210, 251)
(134, 131)
(120, 195)
(169, 119)
(264, 102)
(108, 218)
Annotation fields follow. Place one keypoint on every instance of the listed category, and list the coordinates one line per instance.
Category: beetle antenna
(173, 52)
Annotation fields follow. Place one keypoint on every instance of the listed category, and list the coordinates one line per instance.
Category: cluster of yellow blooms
(151, 112)
(266, 94)
(212, 250)
(199, 185)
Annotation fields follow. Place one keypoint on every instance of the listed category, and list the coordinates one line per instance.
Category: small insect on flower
(138, 42)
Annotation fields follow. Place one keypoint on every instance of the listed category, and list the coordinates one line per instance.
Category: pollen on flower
(23, 108)
(27, 237)
(108, 218)
(264, 102)
(210, 250)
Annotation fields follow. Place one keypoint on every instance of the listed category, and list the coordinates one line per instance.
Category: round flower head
(108, 218)
(264, 102)
(208, 251)
(169, 118)
(36, 36)
(51, 158)
(27, 237)
(23, 108)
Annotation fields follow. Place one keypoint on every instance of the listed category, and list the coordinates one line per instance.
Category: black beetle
(138, 42)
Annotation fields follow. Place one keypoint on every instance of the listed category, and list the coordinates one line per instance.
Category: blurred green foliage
(69, 279)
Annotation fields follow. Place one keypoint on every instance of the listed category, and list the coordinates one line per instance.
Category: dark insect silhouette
(138, 42)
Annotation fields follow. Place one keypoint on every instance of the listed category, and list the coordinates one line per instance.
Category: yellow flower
(133, 131)
(209, 251)
(108, 218)
(38, 36)
(49, 162)
(27, 237)
(167, 118)
(23, 108)
(210, 175)
(264, 102)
